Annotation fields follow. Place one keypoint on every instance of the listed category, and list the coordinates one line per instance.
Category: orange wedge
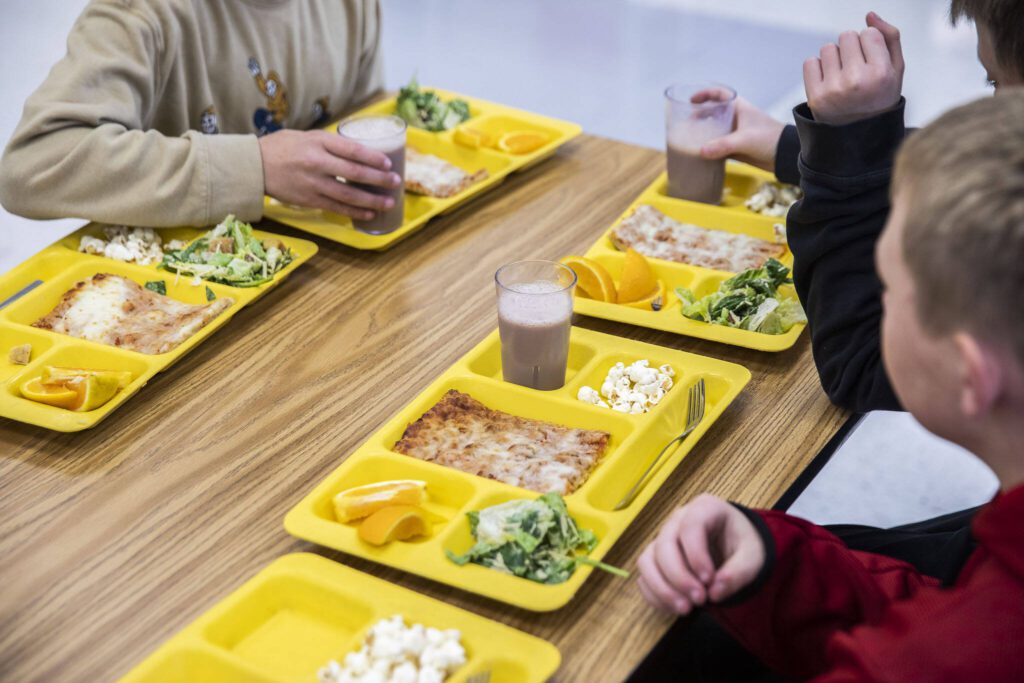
(363, 501)
(638, 281)
(522, 141)
(654, 302)
(593, 279)
(394, 523)
(472, 137)
(54, 395)
(80, 394)
(57, 375)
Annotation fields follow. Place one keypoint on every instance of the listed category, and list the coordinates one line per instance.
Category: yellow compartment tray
(304, 610)
(731, 216)
(635, 441)
(32, 289)
(488, 117)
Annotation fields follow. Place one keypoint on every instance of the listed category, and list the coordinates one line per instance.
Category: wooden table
(112, 540)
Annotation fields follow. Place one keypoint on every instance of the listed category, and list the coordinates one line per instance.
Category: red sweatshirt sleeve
(815, 587)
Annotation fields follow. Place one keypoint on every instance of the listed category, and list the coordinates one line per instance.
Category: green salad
(748, 301)
(231, 255)
(424, 109)
(534, 539)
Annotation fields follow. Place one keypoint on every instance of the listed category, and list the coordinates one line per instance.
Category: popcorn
(396, 653)
(132, 245)
(633, 390)
(773, 199)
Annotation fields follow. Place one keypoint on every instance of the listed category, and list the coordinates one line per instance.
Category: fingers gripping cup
(385, 134)
(534, 321)
(695, 114)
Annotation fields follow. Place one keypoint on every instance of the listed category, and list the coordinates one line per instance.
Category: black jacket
(844, 172)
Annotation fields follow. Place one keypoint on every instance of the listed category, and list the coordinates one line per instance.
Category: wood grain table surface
(113, 539)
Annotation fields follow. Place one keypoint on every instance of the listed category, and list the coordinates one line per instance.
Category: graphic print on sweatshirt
(321, 113)
(208, 121)
(271, 118)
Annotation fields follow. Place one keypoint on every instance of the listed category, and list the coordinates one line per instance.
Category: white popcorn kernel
(430, 675)
(358, 662)
(607, 388)
(621, 406)
(588, 395)
(667, 369)
(405, 673)
(434, 636)
(637, 409)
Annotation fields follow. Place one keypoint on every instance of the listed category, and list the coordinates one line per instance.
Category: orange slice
(472, 137)
(363, 501)
(522, 141)
(592, 278)
(654, 302)
(57, 375)
(54, 395)
(638, 281)
(394, 523)
(80, 394)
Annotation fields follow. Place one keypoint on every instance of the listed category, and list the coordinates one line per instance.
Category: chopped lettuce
(424, 109)
(158, 286)
(229, 254)
(534, 539)
(749, 301)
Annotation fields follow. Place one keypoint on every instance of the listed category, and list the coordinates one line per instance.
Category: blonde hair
(964, 233)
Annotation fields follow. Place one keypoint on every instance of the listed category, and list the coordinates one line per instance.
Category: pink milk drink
(534, 321)
(695, 114)
(385, 134)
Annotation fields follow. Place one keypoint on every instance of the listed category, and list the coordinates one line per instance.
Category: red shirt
(830, 614)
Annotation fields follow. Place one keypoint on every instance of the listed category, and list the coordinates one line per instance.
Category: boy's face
(998, 75)
(923, 368)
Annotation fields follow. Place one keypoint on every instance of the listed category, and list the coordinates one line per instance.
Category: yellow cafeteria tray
(635, 441)
(43, 279)
(304, 610)
(743, 180)
(484, 116)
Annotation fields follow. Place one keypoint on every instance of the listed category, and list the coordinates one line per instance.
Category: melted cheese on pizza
(432, 176)
(654, 234)
(462, 433)
(113, 310)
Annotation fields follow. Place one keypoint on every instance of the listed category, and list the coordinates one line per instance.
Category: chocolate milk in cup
(695, 114)
(534, 322)
(385, 134)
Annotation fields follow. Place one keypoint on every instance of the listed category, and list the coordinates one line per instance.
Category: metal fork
(695, 413)
(480, 677)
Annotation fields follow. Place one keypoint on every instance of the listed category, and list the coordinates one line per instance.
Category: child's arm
(783, 587)
(814, 589)
(849, 132)
(80, 149)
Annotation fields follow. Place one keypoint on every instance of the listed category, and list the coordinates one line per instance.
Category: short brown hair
(964, 232)
(1004, 19)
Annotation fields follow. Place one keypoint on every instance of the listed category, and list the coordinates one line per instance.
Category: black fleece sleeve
(787, 156)
(844, 173)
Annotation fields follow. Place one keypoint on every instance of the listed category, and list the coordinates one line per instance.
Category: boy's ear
(981, 377)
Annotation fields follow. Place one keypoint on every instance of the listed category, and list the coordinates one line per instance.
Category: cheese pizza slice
(654, 234)
(462, 433)
(113, 310)
(432, 176)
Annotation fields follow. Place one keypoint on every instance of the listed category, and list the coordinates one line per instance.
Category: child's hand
(859, 78)
(303, 167)
(705, 552)
(754, 140)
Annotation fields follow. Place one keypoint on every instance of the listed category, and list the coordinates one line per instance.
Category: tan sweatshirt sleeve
(371, 64)
(81, 149)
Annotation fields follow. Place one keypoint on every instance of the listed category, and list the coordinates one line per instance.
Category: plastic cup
(385, 134)
(534, 321)
(695, 114)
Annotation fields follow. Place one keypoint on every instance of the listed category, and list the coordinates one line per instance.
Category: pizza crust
(432, 176)
(462, 433)
(654, 234)
(114, 310)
